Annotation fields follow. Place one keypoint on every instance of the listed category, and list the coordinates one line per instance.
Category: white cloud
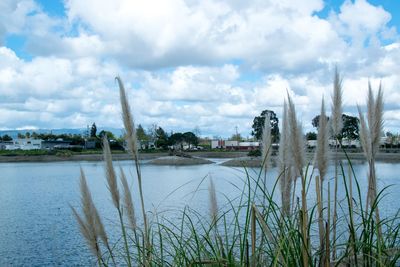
(189, 63)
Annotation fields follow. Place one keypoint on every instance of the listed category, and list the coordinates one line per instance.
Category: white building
(25, 144)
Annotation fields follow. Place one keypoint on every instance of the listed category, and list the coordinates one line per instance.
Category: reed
(284, 163)
(337, 125)
(131, 139)
(322, 161)
(297, 152)
(370, 136)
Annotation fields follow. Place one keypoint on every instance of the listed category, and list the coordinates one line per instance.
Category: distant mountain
(14, 133)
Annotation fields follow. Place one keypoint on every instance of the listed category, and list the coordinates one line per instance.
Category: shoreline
(116, 156)
(237, 158)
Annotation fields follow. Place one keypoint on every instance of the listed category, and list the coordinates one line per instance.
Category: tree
(110, 135)
(311, 136)
(141, 134)
(176, 139)
(190, 138)
(258, 124)
(315, 121)
(161, 138)
(93, 130)
(34, 135)
(20, 136)
(6, 138)
(350, 128)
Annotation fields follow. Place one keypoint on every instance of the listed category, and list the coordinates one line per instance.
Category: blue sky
(207, 64)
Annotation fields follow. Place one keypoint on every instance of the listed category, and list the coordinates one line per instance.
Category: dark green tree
(350, 128)
(176, 139)
(110, 135)
(34, 135)
(190, 138)
(161, 138)
(311, 136)
(93, 130)
(141, 134)
(258, 124)
(315, 121)
(6, 138)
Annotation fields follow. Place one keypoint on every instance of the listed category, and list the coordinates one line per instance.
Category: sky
(192, 64)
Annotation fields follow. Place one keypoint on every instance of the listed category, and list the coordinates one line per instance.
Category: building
(55, 144)
(24, 144)
(234, 145)
(3, 144)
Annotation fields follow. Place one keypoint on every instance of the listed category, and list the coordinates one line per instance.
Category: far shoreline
(237, 158)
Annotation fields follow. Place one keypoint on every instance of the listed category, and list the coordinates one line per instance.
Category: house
(3, 144)
(24, 144)
(55, 144)
(249, 145)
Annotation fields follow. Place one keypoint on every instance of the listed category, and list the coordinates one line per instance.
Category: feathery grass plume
(266, 142)
(90, 225)
(322, 160)
(296, 139)
(213, 202)
(364, 136)
(110, 173)
(376, 126)
(284, 163)
(337, 110)
(337, 125)
(128, 203)
(86, 232)
(131, 140)
(297, 153)
(322, 151)
(370, 136)
(127, 118)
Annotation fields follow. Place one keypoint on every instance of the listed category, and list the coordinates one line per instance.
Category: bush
(254, 153)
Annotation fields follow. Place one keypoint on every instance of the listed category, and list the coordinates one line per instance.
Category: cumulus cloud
(189, 63)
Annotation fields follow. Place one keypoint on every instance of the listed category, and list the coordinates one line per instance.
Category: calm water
(36, 223)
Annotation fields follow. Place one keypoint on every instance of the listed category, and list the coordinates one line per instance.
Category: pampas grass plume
(128, 202)
(127, 118)
(296, 139)
(337, 121)
(285, 163)
(266, 142)
(213, 201)
(322, 152)
(110, 173)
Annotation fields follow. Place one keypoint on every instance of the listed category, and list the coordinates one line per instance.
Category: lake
(36, 223)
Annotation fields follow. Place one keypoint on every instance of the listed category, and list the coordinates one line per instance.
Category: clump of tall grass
(253, 229)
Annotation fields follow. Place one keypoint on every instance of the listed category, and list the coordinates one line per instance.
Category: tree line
(350, 126)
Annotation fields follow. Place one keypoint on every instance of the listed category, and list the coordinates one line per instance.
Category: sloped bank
(179, 161)
(251, 162)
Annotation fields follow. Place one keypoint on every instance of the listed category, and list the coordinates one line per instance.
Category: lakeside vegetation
(255, 229)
